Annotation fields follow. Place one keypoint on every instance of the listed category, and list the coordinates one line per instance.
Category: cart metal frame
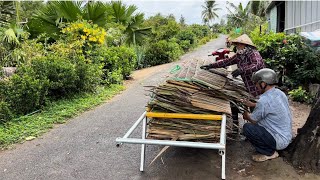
(221, 146)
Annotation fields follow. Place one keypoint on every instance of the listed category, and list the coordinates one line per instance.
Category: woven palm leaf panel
(196, 91)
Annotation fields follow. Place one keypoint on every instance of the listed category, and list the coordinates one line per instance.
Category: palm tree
(209, 11)
(47, 19)
(7, 12)
(182, 21)
(241, 16)
(258, 8)
(125, 15)
(11, 30)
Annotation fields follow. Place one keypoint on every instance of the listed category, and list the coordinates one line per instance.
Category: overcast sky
(189, 9)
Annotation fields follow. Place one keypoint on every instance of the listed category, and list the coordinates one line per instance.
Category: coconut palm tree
(258, 8)
(240, 16)
(182, 20)
(209, 11)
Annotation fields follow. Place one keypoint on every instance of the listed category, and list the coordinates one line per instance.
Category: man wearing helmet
(270, 124)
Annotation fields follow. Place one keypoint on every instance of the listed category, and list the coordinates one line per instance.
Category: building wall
(300, 13)
(273, 19)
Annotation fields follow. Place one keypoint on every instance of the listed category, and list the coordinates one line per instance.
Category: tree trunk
(304, 151)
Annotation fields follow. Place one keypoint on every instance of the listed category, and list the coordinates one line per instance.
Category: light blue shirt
(273, 113)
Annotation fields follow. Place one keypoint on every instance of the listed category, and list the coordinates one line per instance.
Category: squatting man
(270, 123)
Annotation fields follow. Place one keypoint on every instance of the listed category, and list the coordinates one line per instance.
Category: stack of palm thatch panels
(196, 91)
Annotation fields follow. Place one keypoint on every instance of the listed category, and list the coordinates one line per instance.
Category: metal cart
(221, 146)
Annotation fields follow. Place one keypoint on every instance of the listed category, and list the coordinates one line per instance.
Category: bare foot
(261, 157)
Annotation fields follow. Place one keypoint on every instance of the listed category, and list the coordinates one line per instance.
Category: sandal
(261, 157)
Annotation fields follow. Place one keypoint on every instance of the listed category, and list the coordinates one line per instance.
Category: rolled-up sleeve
(256, 63)
(258, 112)
(225, 62)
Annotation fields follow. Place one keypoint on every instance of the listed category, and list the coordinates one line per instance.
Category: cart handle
(208, 117)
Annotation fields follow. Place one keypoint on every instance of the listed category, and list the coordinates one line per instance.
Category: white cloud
(190, 9)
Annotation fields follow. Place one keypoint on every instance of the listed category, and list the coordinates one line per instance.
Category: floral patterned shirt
(248, 62)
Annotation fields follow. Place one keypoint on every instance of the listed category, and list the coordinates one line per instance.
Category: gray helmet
(265, 75)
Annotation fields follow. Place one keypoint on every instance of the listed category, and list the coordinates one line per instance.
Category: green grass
(17, 130)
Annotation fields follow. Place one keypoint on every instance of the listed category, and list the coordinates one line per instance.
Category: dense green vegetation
(63, 50)
(295, 62)
(32, 125)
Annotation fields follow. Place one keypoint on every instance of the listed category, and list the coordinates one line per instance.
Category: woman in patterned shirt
(248, 60)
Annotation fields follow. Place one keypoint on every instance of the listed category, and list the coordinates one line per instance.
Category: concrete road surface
(85, 148)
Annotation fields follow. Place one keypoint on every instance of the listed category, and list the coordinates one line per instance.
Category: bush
(185, 45)
(300, 95)
(24, 93)
(83, 30)
(1, 72)
(88, 75)
(140, 53)
(118, 62)
(27, 50)
(296, 63)
(5, 113)
(59, 71)
(204, 40)
(186, 39)
(167, 31)
(164, 28)
(114, 35)
(162, 52)
(64, 76)
(63, 64)
(200, 31)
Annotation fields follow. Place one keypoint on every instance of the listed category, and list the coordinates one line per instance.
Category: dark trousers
(260, 138)
(234, 113)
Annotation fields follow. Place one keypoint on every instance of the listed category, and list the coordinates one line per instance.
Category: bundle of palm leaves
(196, 91)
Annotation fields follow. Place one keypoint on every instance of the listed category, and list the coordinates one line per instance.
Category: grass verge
(28, 127)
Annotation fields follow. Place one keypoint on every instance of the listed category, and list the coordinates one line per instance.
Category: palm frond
(45, 20)
(96, 12)
(131, 9)
(209, 11)
(118, 12)
(137, 36)
(7, 12)
(10, 37)
(254, 7)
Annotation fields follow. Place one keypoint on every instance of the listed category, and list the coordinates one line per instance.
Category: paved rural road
(85, 148)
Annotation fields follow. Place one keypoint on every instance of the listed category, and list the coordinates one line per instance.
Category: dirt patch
(239, 164)
(300, 113)
(142, 74)
(242, 167)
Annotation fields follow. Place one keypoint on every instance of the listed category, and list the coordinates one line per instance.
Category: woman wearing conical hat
(248, 60)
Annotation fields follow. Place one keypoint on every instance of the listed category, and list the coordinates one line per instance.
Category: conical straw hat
(243, 39)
